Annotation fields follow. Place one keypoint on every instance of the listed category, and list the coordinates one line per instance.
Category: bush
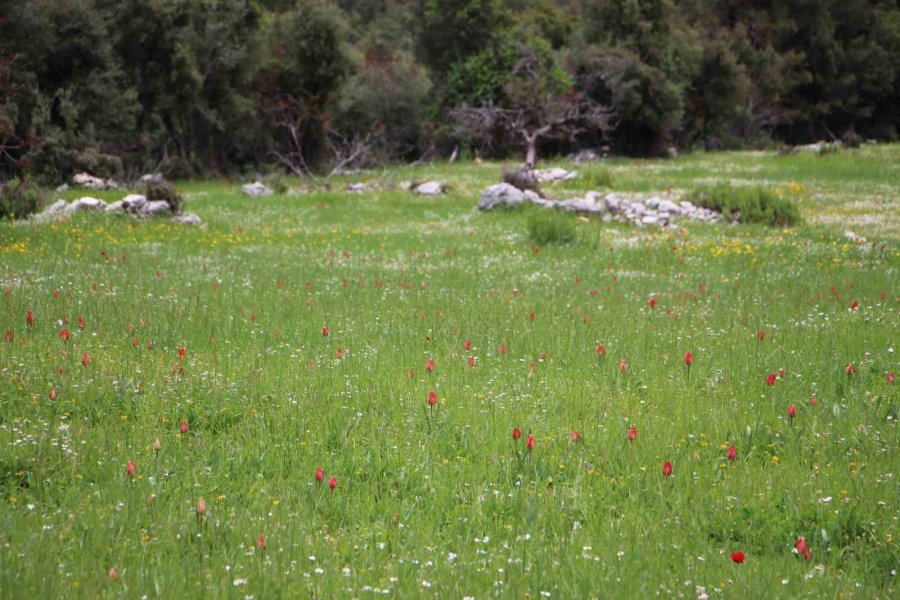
(747, 204)
(163, 190)
(550, 227)
(522, 179)
(19, 198)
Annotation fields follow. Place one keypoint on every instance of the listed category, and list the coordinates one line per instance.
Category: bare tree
(534, 112)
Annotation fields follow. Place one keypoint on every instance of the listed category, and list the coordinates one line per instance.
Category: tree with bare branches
(539, 104)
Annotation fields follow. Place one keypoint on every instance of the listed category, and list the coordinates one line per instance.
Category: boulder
(431, 188)
(134, 202)
(94, 183)
(581, 205)
(555, 174)
(155, 207)
(405, 185)
(501, 194)
(357, 187)
(117, 206)
(535, 198)
(187, 219)
(151, 178)
(63, 188)
(86, 203)
(256, 189)
(54, 208)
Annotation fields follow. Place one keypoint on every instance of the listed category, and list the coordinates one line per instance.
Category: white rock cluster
(612, 207)
(134, 204)
(257, 189)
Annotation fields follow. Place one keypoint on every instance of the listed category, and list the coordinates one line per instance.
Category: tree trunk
(531, 153)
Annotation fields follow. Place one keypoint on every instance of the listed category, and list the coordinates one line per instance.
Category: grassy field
(218, 330)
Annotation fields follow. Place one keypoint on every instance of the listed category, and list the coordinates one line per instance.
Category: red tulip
(529, 443)
(64, 334)
(81, 322)
(850, 370)
(501, 349)
(113, 574)
(737, 557)
(652, 303)
(688, 358)
(201, 507)
(149, 345)
(601, 350)
(65, 319)
(29, 318)
(320, 474)
(56, 293)
(802, 549)
(632, 433)
(86, 359)
(467, 345)
(531, 316)
(517, 433)
(129, 470)
(325, 331)
(761, 335)
(854, 305)
(340, 352)
(515, 292)
(429, 366)
(184, 426)
(181, 353)
(792, 411)
(135, 342)
(432, 398)
(52, 394)
(812, 400)
(576, 437)
(770, 379)
(471, 361)
(782, 373)
(732, 452)
(890, 376)
(623, 366)
(332, 483)
(667, 468)
(261, 542)
(9, 335)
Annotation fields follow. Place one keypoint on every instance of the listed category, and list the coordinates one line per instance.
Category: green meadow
(218, 329)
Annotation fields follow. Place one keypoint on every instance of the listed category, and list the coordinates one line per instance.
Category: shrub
(588, 179)
(747, 204)
(550, 227)
(163, 190)
(522, 179)
(19, 198)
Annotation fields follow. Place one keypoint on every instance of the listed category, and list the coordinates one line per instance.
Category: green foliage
(164, 190)
(589, 178)
(748, 204)
(20, 198)
(550, 227)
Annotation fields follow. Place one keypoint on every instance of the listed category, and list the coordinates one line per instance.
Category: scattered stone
(54, 208)
(535, 198)
(134, 203)
(405, 185)
(187, 219)
(117, 206)
(584, 156)
(151, 178)
(431, 188)
(155, 207)
(86, 203)
(94, 183)
(357, 187)
(256, 189)
(555, 174)
(63, 188)
(501, 194)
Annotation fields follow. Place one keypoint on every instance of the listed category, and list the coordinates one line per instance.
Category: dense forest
(199, 86)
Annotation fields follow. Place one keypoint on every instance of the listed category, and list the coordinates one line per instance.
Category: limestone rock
(256, 189)
(501, 194)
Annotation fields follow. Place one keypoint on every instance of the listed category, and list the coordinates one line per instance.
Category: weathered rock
(63, 188)
(357, 187)
(501, 194)
(535, 198)
(584, 156)
(405, 185)
(155, 207)
(152, 178)
(256, 189)
(581, 205)
(94, 183)
(117, 206)
(134, 202)
(54, 208)
(555, 174)
(187, 219)
(431, 188)
(86, 203)
(667, 206)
